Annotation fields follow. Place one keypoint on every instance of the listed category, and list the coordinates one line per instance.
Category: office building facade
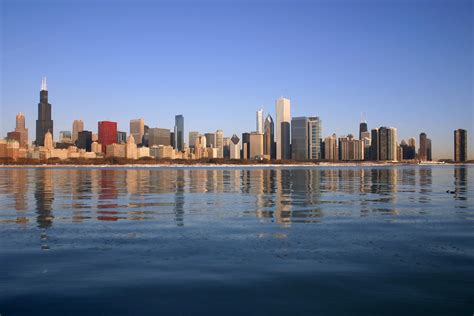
(282, 128)
(269, 146)
(256, 145)
(159, 136)
(331, 149)
(314, 135)
(44, 123)
(107, 134)
(77, 126)
(20, 127)
(192, 138)
(299, 138)
(137, 130)
(179, 132)
(84, 140)
(460, 145)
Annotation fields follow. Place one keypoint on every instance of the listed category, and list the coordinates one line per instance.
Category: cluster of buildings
(286, 138)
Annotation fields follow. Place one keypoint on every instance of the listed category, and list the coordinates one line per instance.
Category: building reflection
(179, 197)
(81, 184)
(137, 185)
(282, 196)
(460, 186)
(108, 194)
(424, 185)
(19, 188)
(306, 195)
(44, 197)
(283, 205)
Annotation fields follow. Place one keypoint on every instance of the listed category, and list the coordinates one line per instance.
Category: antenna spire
(44, 85)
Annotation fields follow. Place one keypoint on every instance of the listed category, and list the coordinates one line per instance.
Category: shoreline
(215, 165)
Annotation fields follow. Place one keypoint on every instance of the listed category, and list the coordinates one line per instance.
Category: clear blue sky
(407, 64)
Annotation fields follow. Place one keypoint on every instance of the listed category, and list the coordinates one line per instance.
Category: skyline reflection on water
(280, 195)
(329, 241)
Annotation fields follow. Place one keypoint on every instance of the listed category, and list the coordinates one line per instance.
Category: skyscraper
(21, 128)
(77, 126)
(145, 137)
(408, 150)
(423, 150)
(192, 138)
(44, 123)
(220, 143)
(137, 130)
(84, 140)
(159, 136)
(314, 141)
(392, 144)
(259, 121)
(384, 144)
(210, 140)
(245, 146)
(331, 150)
(429, 156)
(107, 134)
(269, 138)
(351, 149)
(460, 145)
(362, 129)
(283, 119)
(374, 144)
(256, 145)
(179, 132)
(234, 147)
(366, 137)
(299, 138)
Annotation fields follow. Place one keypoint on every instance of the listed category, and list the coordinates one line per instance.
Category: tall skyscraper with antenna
(44, 123)
(362, 126)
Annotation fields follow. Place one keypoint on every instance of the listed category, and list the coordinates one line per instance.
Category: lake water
(326, 241)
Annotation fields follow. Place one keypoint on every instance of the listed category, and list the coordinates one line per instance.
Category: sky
(406, 64)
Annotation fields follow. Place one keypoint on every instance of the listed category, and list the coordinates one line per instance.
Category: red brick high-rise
(107, 134)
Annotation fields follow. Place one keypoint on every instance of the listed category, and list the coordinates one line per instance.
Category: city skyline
(333, 71)
(300, 138)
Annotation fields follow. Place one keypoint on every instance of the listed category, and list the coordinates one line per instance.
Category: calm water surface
(326, 241)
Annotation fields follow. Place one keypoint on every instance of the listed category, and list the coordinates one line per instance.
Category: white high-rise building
(282, 128)
(260, 121)
(234, 147)
(220, 143)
